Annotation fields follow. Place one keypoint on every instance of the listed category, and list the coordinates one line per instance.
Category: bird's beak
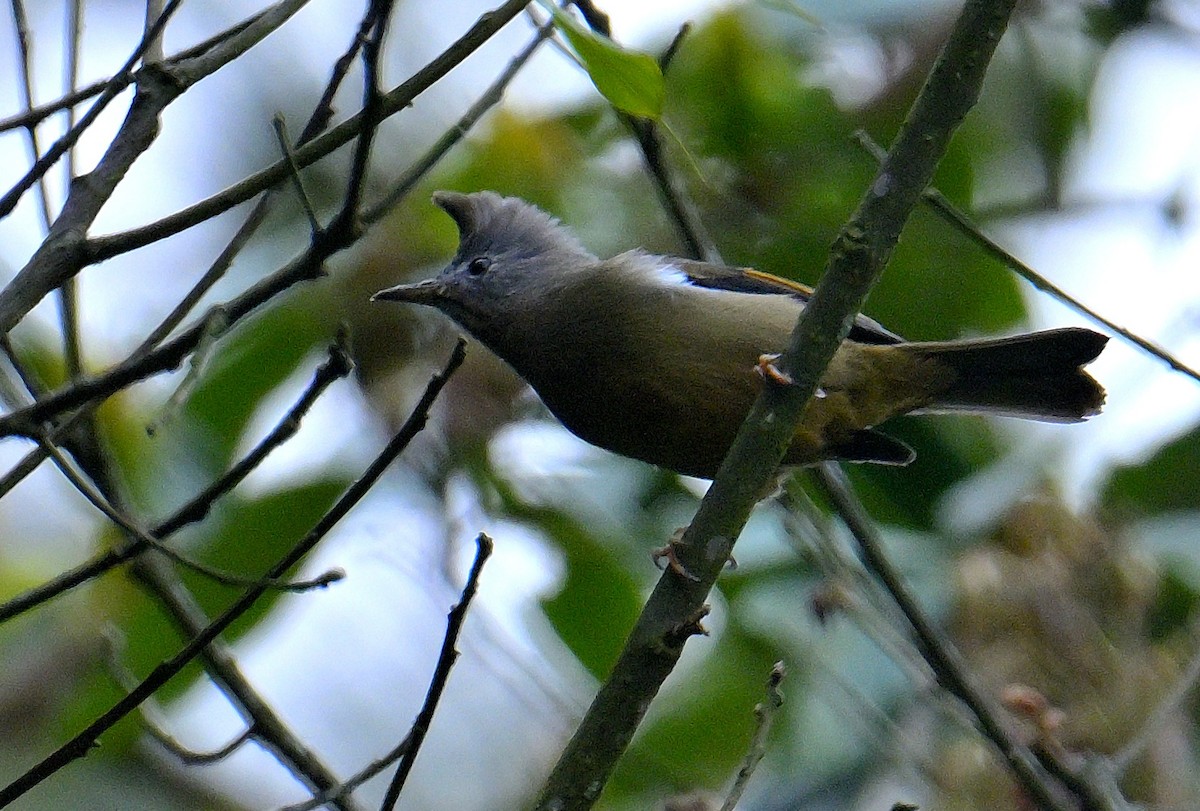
(426, 292)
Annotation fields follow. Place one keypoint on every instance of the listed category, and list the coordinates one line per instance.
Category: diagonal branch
(943, 658)
(337, 366)
(82, 742)
(63, 253)
(954, 215)
(863, 247)
(401, 97)
(446, 659)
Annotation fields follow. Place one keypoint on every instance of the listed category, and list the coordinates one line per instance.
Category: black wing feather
(748, 280)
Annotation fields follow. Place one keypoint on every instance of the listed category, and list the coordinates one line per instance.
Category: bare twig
(153, 717)
(441, 674)
(351, 784)
(764, 715)
(399, 98)
(337, 366)
(679, 206)
(40, 113)
(347, 219)
(489, 99)
(214, 326)
(68, 303)
(962, 221)
(79, 745)
(285, 146)
(24, 50)
(951, 671)
(141, 538)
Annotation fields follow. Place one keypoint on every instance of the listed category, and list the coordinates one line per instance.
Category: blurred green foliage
(776, 174)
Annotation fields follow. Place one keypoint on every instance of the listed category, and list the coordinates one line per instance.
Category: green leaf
(632, 81)
(1166, 482)
(249, 363)
(1174, 603)
(249, 535)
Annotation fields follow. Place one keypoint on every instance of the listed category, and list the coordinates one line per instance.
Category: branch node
(692, 626)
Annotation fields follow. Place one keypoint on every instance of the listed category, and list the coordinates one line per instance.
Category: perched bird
(654, 357)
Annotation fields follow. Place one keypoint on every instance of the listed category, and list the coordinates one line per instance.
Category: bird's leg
(769, 371)
(668, 553)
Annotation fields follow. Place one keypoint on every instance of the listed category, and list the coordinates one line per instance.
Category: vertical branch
(25, 52)
(68, 304)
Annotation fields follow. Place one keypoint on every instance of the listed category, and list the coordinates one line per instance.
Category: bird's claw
(769, 371)
(668, 553)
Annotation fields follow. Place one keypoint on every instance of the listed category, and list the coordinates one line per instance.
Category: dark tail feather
(1036, 376)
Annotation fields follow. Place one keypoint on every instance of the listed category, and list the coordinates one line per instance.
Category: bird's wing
(748, 280)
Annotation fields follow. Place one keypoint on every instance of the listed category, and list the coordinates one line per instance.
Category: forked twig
(79, 744)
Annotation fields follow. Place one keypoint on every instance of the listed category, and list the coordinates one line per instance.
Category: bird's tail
(1037, 376)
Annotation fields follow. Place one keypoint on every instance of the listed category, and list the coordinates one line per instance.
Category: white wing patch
(671, 276)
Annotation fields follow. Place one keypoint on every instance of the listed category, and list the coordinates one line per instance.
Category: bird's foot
(667, 553)
(769, 371)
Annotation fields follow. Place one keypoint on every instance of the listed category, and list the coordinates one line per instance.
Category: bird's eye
(479, 266)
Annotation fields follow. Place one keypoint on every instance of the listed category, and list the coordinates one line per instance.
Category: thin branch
(27, 421)
(489, 99)
(346, 221)
(68, 297)
(25, 52)
(153, 717)
(952, 672)
(101, 248)
(81, 743)
(962, 221)
(40, 113)
(764, 715)
(862, 249)
(441, 674)
(63, 253)
(285, 146)
(214, 326)
(351, 784)
(142, 539)
(337, 366)
(111, 90)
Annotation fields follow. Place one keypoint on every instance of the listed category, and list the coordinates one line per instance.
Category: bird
(660, 358)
